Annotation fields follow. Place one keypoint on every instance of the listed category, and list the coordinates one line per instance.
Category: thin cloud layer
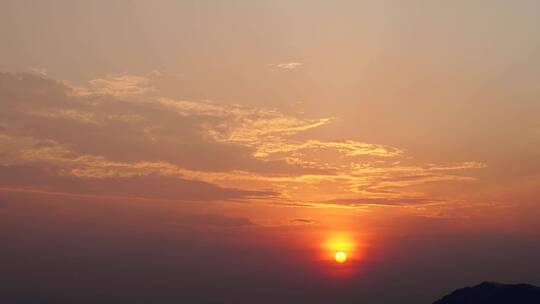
(118, 85)
(52, 180)
(288, 65)
(403, 201)
(113, 138)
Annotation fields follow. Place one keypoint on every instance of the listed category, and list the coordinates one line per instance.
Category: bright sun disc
(340, 257)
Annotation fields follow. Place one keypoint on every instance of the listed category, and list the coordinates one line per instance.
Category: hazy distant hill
(494, 293)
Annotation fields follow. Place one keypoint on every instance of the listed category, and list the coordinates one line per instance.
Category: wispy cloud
(117, 132)
(39, 71)
(287, 65)
(117, 85)
(382, 201)
(302, 221)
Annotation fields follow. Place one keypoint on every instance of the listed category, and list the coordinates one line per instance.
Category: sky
(225, 151)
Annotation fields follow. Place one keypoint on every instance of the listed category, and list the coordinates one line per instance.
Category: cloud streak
(287, 65)
(113, 131)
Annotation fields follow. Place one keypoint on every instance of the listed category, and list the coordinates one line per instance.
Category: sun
(339, 248)
(340, 257)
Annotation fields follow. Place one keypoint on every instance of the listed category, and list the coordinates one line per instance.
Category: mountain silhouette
(494, 293)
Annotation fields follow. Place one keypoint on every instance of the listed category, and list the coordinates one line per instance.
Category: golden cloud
(114, 131)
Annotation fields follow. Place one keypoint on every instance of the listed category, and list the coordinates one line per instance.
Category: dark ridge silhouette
(494, 293)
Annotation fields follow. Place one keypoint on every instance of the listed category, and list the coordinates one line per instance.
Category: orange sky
(294, 122)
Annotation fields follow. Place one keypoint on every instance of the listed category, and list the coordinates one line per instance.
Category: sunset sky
(225, 151)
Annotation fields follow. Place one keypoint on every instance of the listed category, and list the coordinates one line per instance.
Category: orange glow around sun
(340, 248)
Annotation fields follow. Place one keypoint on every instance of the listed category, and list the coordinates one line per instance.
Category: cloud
(346, 148)
(222, 221)
(39, 71)
(116, 132)
(381, 201)
(118, 85)
(301, 221)
(244, 125)
(127, 130)
(287, 65)
(53, 180)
